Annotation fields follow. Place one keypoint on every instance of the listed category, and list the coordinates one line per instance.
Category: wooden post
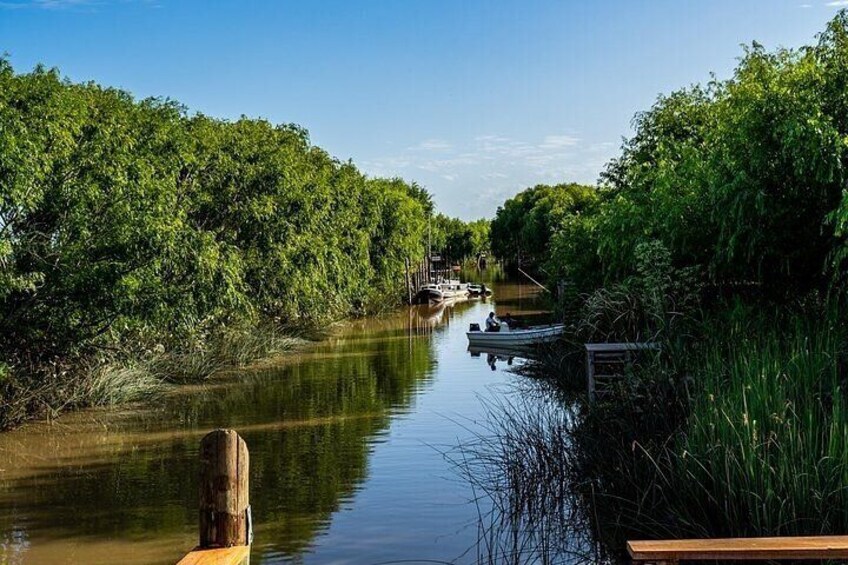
(226, 527)
(590, 375)
(224, 498)
(408, 282)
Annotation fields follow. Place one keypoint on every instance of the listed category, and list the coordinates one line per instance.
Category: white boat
(434, 293)
(453, 288)
(507, 337)
(429, 294)
(479, 290)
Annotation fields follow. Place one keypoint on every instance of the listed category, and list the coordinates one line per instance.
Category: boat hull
(428, 296)
(515, 337)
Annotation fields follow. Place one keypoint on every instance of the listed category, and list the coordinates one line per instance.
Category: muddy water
(346, 442)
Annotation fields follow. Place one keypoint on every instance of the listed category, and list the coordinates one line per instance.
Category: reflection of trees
(309, 427)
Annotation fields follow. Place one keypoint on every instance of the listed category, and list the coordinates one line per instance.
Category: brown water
(346, 442)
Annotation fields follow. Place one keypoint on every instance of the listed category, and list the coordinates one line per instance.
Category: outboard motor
(474, 328)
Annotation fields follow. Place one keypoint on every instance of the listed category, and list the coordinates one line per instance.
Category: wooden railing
(606, 362)
(667, 552)
(226, 529)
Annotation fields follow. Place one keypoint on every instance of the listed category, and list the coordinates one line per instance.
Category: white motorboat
(434, 293)
(479, 290)
(453, 288)
(507, 337)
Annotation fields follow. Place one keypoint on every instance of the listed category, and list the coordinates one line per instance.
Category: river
(347, 442)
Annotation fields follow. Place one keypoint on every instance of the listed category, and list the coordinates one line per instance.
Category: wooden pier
(226, 526)
(671, 552)
(607, 362)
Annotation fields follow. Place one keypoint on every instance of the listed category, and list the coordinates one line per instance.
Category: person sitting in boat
(509, 321)
(492, 323)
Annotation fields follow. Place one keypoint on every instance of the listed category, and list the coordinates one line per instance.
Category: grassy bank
(118, 377)
(739, 430)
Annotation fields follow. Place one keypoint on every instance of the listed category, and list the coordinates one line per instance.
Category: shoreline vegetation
(719, 233)
(142, 244)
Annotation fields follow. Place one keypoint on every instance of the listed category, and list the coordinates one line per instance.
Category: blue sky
(474, 99)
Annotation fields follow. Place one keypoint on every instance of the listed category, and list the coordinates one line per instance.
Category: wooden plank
(223, 556)
(741, 549)
(627, 346)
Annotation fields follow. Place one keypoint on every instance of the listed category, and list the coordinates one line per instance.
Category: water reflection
(341, 438)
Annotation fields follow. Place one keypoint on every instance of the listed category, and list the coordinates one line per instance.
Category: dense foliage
(458, 240)
(720, 232)
(132, 222)
(741, 180)
(523, 228)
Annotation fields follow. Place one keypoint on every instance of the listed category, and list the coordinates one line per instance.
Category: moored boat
(428, 294)
(452, 288)
(479, 290)
(434, 293)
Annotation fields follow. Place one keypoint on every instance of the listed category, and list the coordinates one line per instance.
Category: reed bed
(766, 445)
(519, 465)
(121, 377)
(743, 432)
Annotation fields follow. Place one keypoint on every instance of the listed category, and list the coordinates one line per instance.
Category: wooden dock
(238, 555)
(671, 552)
(607, 362)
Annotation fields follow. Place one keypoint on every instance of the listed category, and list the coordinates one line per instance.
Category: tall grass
(122, 377)
(105, 383)
(744, 433)
(519, 465)
(766, 445)
(236, 346)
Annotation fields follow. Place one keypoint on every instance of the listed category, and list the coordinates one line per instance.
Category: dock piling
(224, 485)
(226, 528)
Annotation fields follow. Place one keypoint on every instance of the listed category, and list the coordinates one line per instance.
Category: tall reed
(766, 445)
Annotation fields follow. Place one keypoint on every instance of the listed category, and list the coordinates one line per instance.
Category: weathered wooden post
(408, 282)
(226, 528)
(224, 496)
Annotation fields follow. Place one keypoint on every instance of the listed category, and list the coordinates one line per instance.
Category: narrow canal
(347, 443)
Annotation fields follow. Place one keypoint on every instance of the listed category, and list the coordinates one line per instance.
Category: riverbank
(718, 233)
(116, 378)
(346, 439)
(737, 428)
(143, 245)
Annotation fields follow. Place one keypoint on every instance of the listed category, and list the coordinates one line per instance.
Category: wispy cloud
(472, 177)
(837, 3)
(432, 145)
(557, 141)
(67, 4)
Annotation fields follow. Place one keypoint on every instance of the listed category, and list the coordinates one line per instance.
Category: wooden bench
(606, 362)
(818, 548)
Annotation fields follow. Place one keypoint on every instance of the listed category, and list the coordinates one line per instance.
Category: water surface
(346, 439)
